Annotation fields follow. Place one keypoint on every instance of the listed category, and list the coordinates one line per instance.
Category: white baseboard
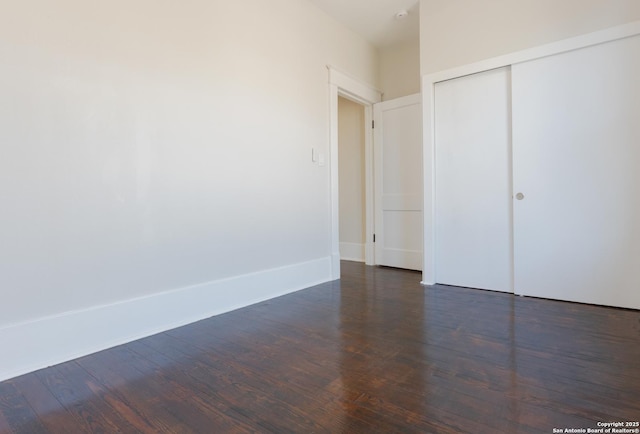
(44, 342)
(352, 252)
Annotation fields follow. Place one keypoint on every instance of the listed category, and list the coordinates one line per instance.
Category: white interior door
(473, 181)
(398, 182)
(576, 132)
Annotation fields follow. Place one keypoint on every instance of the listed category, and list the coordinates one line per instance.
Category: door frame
(341, 84)
(428, 111)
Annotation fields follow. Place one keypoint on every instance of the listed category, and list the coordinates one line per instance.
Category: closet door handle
(519, 196)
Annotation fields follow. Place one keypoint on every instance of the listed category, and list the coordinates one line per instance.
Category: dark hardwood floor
(372, 353)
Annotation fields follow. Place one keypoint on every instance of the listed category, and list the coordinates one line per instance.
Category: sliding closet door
(473, 181)
(576, 136)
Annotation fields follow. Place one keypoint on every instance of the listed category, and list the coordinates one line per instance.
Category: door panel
(576, 129)
(398, 182)
(473, 181)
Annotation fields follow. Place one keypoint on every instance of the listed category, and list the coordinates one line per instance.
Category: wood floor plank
(16, 411)
(4, 423)
(373, 352)
(84, 399)
(212, 401)
(113, 373)
(199, 410)
(170, 405)
(51, 413)
(289, 364)
(249, 387)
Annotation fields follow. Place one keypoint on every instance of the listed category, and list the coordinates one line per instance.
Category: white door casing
(398, 182)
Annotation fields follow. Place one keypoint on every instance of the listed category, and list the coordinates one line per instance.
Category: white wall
(351, 179)
(458, 32)
(150, 146)
(400, 69)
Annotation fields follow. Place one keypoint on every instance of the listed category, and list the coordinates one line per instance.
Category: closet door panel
(576, 161)
(473, 181)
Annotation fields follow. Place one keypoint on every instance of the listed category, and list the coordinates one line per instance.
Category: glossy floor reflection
(373, 352)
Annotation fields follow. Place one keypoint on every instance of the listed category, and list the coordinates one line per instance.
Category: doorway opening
(343, 86)
(351, 180)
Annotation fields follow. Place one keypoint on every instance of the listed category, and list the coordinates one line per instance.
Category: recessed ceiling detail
(401, 14)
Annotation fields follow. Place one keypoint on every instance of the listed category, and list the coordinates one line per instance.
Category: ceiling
(375, 19)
